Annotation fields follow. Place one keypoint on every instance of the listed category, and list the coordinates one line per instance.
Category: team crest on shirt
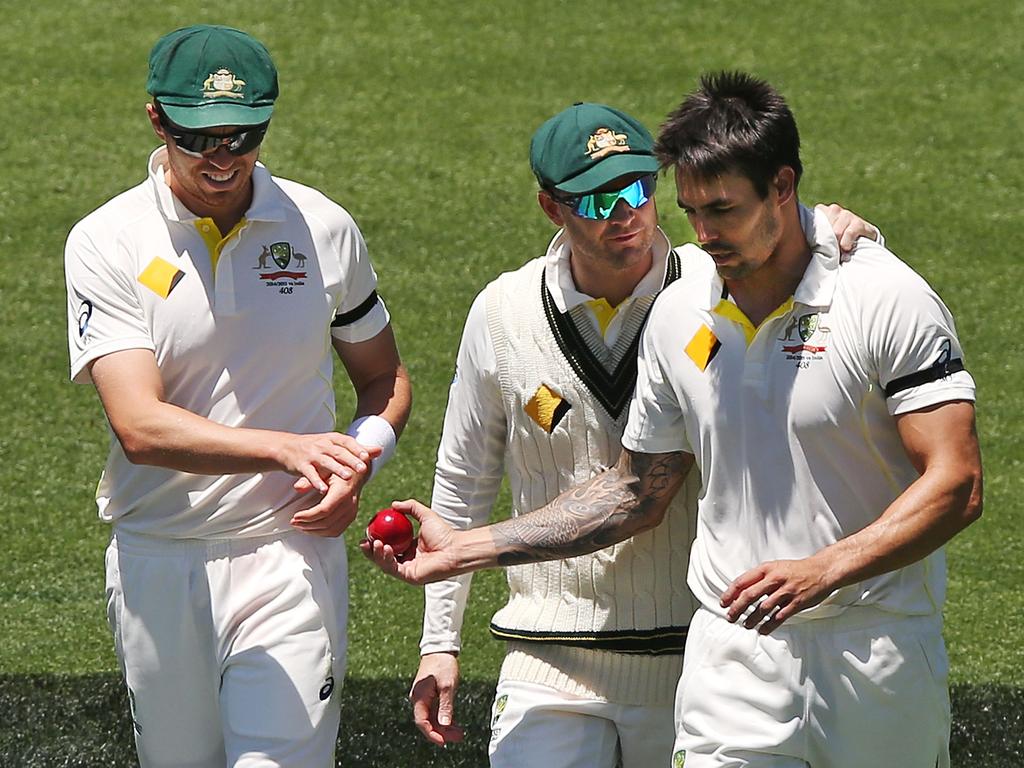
(806, 326)
(604, 142)
(811, 339)
(282, 254)
(679, 758)
(223, 83)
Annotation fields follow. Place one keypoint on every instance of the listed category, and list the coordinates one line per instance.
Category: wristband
(374, 430)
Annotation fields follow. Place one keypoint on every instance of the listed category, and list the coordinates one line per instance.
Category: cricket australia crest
(806, 327)
(282, 254)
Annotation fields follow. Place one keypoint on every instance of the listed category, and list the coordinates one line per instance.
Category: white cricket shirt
(241, 329)
(790, 424)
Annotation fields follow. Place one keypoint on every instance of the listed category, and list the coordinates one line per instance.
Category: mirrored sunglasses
(599, 205)
(198, 144)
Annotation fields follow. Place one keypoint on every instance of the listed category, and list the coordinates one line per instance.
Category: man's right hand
(316, 457)
(432, 559)
(433, 698)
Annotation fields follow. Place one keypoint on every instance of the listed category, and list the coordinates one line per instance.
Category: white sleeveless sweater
(610, 624)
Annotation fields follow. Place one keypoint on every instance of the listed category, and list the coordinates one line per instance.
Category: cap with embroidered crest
(204, 76)
(586, 146)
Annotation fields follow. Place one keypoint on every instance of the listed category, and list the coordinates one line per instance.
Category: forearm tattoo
(611, 507)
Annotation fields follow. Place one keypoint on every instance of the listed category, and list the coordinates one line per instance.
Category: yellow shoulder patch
(703, 347)
(161, 277)
(547, 408)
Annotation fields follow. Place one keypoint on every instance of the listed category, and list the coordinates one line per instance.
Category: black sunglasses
(198, 144)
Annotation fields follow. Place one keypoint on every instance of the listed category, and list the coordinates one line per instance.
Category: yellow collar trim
(730, 311)
(210, 233)
(604, 312)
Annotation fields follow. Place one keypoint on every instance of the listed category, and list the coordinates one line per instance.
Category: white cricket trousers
(233, 650)
(865, 688)
(534, 725)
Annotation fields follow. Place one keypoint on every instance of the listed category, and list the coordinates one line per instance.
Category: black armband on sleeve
(940, 370)
(347, 318)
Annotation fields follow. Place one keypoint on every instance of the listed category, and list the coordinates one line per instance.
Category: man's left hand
(848, 226)
(335, 511)
(774, 591)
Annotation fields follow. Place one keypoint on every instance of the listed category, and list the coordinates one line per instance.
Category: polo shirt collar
(819, 281)
(268, 202)
(817, 286)
(558, 272)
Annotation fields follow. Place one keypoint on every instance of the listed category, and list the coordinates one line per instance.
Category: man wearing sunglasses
(825, 406)
(545, 372)
(203, 305)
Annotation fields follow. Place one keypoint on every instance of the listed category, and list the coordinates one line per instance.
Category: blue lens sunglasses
(599, 205)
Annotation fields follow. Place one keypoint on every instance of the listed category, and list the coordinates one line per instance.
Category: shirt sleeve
(361, 315)
(470, 466)
(104, 311)
(656, 421)
(913, 345)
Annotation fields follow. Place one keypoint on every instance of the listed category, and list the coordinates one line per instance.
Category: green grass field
(417, 116)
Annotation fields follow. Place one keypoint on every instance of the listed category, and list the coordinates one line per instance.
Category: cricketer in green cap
(586, 146)
(244, 287)
(204, 76)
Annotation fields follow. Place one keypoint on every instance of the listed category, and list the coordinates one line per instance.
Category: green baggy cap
(205, 76)
(586, 146)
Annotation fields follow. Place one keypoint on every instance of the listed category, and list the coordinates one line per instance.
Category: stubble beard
(628, 256)
(766, 238)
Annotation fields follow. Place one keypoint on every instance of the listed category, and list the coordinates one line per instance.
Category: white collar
(819, 281)
(267, 203)
(558, 273)
(817, 285)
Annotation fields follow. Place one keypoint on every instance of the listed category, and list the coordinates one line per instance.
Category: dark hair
(734, 122)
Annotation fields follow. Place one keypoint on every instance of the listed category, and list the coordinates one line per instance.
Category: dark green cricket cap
(205, 76)
(586, 146)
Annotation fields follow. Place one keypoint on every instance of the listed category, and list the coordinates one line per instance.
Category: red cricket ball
(393, 528)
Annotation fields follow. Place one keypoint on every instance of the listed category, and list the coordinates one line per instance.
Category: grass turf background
(416, 116)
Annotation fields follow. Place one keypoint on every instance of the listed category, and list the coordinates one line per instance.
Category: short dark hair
(734, 122)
